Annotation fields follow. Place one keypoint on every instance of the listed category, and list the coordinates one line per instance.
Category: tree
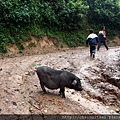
(104, 12)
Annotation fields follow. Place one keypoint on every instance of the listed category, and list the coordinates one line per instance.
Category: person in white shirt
(92, 39)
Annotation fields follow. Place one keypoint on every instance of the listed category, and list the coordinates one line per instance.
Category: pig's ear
(74, 82)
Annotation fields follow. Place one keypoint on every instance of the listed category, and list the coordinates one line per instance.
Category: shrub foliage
(65, 19)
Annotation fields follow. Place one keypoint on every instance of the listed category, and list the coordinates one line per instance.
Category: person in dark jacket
(102, 38)
(92, 39)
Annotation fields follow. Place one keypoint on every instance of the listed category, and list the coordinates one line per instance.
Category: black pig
(54, 79)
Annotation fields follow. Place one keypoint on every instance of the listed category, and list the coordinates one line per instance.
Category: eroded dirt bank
(20, 89)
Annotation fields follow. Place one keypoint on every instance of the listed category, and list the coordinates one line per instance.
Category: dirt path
(20, 89)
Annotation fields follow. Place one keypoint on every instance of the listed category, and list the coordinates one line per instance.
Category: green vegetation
(67, 20)
(105, 12)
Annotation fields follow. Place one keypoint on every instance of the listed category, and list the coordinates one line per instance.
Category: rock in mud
(115, 81)
(112, 80)
(117, 110)
(14, 103)
(30, 109)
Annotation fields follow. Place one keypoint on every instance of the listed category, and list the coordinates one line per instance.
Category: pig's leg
(62, 92)
(42, 86)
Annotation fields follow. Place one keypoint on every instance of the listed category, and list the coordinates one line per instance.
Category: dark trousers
(92, 49)
(102, 42)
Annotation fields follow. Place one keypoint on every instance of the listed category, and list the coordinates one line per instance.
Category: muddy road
(20, 91)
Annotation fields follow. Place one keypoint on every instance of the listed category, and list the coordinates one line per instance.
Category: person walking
(102, 38)
(92, 39)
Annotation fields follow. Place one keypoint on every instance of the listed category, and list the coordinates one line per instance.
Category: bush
(65, 19)
(19, 19)
(104, 12)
